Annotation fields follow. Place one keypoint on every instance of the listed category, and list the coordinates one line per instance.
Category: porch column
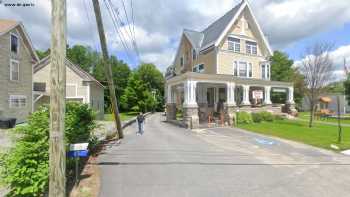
(231, 94)
(291, 96)
(246, 95)
(171, 104)
(267, 99)
(230, 104)
(190, 106)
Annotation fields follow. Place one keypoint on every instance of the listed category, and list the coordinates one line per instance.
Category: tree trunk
(57, 152)
(312, 114)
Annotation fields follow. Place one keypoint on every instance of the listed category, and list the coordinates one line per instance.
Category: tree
(317, 68)
(138, 94)
(281, 67)
(282, 70)
(83, 56)
(43, 54)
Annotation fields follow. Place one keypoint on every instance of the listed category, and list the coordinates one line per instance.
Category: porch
(204, 99)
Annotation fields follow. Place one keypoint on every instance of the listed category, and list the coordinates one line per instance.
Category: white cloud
(159, 23)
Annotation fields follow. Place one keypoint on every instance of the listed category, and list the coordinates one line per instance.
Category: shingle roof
(77, 69)
(213, 31)
(6, 25)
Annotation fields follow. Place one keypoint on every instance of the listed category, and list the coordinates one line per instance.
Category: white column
(246, 95)
(190, 93)
(169, 95)
(267, 99)
(231, 94)
(291, 95)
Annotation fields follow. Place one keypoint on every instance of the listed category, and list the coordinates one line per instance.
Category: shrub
(267, 116)
(257, 117)
(25, 167)
(244, 118)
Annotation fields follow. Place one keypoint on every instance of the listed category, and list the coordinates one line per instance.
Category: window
(234, 44)
(182, 62)
(265, 71)
(242, 69)
(250, 69)
(194, 54)
(14, 70)
(235, 68)
(198, 68)
(17, 101)
(251, 48)
(14, 43)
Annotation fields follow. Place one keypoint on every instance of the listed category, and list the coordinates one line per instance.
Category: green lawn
(320, 135)
(123, 116)
(306, 116)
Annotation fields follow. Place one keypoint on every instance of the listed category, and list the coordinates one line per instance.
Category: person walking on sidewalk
(140, 121)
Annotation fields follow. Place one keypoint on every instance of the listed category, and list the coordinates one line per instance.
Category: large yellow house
(223, 68)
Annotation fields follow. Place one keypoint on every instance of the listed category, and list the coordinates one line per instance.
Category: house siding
(226, 58)
(97, 100)
(76, 89)
(22, 87)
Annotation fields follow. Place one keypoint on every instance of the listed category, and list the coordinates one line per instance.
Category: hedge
(25, 167)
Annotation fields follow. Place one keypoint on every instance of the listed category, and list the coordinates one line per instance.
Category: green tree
(82, 56)
(43, 54)
(145, 89)
(282, 70)
(281, 67)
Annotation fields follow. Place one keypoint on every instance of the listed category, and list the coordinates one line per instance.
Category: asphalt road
(169, 161)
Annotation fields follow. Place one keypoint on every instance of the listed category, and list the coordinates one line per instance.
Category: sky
(290, 25)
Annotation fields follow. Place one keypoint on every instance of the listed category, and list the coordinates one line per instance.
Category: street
(171, 161)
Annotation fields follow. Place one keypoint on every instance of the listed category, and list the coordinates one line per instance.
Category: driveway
(172, 161)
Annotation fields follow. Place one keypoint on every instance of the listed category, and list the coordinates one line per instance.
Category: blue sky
(339, 36)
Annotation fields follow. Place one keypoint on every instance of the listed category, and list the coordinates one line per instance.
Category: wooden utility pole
(108, 68)
(57, 163)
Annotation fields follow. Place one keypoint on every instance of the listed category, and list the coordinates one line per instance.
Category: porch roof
(220, 78)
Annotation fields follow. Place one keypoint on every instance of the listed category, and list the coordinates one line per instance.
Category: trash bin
(12, 122)
(4, 124)
(7, 123)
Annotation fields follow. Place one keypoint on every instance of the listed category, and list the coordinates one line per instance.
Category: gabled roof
(7, 25)
(75, 68)
(215, 32)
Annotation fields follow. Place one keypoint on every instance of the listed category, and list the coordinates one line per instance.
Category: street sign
(79, 153)
(258, 94)
(77, 147)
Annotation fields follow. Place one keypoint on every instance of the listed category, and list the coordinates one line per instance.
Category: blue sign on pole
(80, 153)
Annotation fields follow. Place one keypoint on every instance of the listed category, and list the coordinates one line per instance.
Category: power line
(116, 28)
(90, 25)
(119, 20)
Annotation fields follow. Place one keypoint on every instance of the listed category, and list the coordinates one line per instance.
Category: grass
(123, 115)
(320, 135)
(306, 116)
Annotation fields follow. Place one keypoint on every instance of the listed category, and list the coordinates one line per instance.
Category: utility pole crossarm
(108, 68)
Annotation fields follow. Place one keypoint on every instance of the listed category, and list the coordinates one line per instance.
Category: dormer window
(234, 44)
(252, 48)
(14, 44)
